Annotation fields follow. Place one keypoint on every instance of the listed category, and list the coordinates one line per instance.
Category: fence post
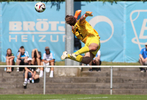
(44, 83)
(111, 80)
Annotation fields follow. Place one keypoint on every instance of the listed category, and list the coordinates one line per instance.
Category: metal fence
(106, 66)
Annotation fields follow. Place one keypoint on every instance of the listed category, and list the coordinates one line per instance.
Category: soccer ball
(40, 7)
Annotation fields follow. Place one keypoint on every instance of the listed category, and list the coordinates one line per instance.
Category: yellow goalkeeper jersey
(83, 30)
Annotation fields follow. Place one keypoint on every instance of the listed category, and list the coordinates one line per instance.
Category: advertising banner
(121, 26)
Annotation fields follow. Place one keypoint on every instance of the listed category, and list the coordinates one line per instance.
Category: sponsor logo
(138, 22)
(41, 29)
(44, 29)
(98, 19)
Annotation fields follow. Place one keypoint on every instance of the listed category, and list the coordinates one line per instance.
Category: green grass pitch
(73, 97)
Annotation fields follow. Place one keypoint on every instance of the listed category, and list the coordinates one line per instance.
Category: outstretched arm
(88, 13)
(77, 13)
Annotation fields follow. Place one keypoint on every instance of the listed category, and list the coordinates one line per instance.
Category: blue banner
(136, 30)
(108, 21)
(121, 26)
(23, 26)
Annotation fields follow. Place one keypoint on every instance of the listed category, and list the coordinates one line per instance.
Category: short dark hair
(21, 47)
(39, 53)
(71, 20)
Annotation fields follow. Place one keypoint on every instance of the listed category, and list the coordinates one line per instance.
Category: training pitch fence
(103, 66)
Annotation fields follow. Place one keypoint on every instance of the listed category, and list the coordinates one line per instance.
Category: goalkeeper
(87, 34)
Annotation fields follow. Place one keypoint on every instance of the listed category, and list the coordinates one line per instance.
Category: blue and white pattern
(121, 26)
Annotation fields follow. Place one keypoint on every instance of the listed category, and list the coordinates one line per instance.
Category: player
(87, 34)
(83, 31)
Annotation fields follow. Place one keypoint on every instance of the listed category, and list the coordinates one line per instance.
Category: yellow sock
(68, 56)
(78, 58)
(82, 50)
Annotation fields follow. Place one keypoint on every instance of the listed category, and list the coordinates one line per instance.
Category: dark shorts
(22, 62)
(96, 64)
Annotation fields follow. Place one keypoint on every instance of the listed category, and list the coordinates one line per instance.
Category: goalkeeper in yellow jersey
(87, 34)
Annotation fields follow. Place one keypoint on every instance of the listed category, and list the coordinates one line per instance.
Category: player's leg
(83, 59)
(89, 47)
(88, 58)
(92, 47)
(92, 44)
(71, 56)
(80, 58)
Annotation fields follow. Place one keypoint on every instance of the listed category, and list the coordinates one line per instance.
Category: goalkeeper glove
(88, 13)
(77, 13)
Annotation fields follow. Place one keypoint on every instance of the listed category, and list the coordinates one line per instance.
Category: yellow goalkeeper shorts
(93, 39)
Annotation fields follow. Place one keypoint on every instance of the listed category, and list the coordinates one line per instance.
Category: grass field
(73, 97)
